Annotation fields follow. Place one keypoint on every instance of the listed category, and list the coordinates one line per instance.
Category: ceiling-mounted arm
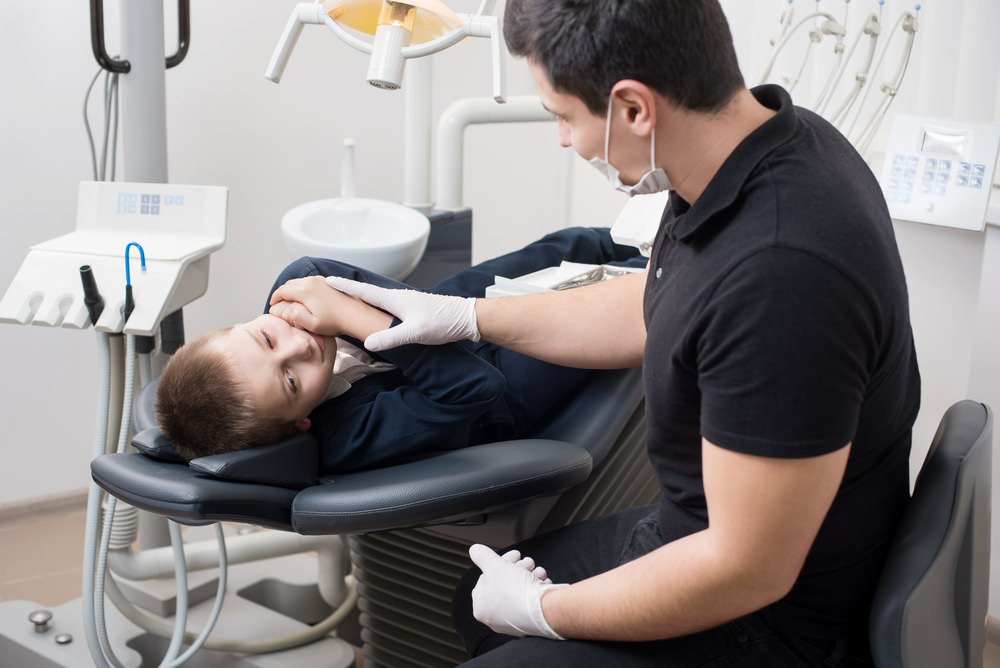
(123, 66)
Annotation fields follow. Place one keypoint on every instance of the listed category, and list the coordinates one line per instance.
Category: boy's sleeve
(430, 403)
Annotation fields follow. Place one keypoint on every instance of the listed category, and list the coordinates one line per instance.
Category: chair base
(406, 578)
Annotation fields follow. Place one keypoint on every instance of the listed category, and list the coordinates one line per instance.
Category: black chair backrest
(930, 605)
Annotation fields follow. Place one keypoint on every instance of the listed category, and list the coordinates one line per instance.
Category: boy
(301, 367)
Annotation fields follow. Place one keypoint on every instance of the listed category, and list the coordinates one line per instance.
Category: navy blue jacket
(455, 395)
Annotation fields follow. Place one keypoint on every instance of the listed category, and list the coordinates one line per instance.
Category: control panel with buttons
(940, 171)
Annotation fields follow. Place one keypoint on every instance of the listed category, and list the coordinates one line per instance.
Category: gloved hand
(528, 564)
(508, 596)
(426, 318)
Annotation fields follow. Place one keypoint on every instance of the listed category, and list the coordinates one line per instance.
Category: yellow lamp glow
(423, 19)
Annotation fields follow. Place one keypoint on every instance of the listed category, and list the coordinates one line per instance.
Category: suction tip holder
(91, 297)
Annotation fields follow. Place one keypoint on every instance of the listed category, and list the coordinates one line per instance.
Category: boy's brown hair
(203, 408)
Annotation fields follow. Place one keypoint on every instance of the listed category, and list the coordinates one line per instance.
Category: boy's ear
(301, 425)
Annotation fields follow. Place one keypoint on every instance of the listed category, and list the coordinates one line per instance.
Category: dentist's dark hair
(683, 49)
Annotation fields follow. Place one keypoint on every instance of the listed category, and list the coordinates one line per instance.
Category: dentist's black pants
(578, 551)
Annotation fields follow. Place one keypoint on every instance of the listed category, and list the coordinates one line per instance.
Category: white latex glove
(426, 318)
(508, 595)
(528, 564)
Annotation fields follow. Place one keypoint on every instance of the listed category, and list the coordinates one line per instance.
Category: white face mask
(653, 181)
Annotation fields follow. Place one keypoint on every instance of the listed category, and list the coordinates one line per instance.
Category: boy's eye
(267, 339)
(291, 382)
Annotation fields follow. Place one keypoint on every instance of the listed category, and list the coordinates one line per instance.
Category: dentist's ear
(638, 101)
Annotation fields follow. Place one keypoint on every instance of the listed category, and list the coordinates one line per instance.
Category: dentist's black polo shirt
(777, 325)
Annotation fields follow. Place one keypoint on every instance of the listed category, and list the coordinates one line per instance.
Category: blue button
(154, 210)
(939, 191)
(931, 163)
(961, 180)
(979, 170)
(975, 182)
(899, 159)
(144, 209)
(925, 189)
(156, 199)
(942, 177)
(964, 168)
(912, 161)
(928, 177)
(944, 165)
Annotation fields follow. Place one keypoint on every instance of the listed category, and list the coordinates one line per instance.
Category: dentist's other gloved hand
(528, 564)
(508, 596)
(426, 318)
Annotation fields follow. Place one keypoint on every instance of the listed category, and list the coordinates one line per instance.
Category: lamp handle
(304, 12)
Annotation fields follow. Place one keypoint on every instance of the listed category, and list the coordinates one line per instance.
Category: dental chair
(930, 606)
(408, 526)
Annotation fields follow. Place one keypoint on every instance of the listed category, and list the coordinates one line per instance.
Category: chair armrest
(445, 488)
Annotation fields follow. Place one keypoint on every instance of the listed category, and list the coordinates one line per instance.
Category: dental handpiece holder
(178, 226)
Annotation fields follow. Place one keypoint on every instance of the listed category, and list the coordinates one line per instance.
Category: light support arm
(471, 26)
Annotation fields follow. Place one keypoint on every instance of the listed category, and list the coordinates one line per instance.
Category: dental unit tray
(177, 226)
(567, 275)
(636, 225)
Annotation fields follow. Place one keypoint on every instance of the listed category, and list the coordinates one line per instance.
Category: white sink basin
(381, 236)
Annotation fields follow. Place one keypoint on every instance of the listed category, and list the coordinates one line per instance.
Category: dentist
(773, 329)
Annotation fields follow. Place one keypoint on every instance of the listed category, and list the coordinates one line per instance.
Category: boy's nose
(297, 346)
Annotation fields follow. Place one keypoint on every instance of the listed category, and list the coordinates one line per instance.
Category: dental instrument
(907, 24)
(872, 30)
(816, 32)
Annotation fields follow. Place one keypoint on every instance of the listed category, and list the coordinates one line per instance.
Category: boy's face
(286, 369)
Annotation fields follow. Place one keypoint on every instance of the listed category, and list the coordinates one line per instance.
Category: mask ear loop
(652, 149)
(607, 129)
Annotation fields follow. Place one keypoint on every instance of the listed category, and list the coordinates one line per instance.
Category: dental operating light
(392, 32)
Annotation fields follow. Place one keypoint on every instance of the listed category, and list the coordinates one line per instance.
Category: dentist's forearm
(598, 326)
(682, 588)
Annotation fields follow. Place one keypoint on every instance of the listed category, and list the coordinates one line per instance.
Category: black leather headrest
(291, 462)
